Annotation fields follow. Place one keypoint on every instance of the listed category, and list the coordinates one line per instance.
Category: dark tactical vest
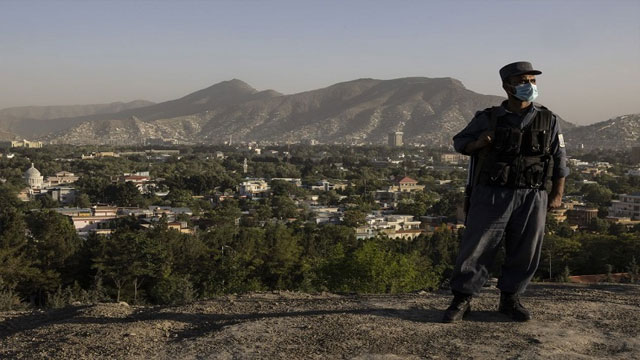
(517, 158)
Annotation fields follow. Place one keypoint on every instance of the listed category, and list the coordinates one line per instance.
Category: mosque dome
(33, 177)
(32, 172)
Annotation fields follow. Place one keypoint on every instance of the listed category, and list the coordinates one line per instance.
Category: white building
(62, 177)
(393, 226)
(252, 187)
(626, 206)
(33, 178)
(26, 144)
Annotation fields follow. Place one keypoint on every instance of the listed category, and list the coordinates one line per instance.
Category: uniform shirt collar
(525, 118)
(504, 110)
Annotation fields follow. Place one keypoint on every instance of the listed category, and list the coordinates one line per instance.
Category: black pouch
(533, 172)
(498, 174)
(534, 142)
(508, 140)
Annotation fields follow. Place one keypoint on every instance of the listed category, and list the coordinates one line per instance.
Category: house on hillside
(406, 184)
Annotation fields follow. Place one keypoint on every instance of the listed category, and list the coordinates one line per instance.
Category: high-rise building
(395, 138)
(635, 154)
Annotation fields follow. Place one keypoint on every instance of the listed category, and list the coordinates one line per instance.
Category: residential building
(26, 144)
(253, 187)
(581, 216)
(86, 220)
(394, 226)
(63, 194)
(180, 226)
(406, 184)
(62, 177)
(560, 214)
(326, 214)
(628, 205)
(453, 158)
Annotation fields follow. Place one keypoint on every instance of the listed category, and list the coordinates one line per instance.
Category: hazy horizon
(68, 53)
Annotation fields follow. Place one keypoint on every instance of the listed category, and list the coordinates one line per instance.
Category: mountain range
(34, 121)
(621, 132)
(363, 111)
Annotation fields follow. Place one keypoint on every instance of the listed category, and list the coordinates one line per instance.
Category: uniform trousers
(496, 213)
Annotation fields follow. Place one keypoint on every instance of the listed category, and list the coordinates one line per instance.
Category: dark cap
(518, 68)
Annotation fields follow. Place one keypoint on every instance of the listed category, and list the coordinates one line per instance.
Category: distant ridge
(357, 111)
(621, 132)
(30, 121)
(362, 111)
(62, 111)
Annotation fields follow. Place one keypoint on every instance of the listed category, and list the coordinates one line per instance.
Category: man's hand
(555, 197)
(484, 139)
(555, 201)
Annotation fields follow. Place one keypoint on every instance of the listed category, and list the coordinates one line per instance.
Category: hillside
(570, 322)
(7, 136)
(30, 121)
(621, 132)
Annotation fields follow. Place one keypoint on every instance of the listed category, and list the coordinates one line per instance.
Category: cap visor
(529, 72)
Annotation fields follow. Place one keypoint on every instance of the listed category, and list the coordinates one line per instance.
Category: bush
(373, 269)
(564, 276)
(9, 299)
(173, 290)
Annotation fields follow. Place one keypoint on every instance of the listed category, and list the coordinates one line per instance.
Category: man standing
(514, 149)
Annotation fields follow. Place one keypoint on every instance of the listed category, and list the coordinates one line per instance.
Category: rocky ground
(570, 322)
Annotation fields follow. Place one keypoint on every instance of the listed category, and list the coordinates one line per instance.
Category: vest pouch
(533, 172)
(498, 174)
(534, 142)
(507, 140)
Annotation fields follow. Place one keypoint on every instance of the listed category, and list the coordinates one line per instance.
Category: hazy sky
(80, 52)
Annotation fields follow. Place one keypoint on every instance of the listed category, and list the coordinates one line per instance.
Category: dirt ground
(570, 322)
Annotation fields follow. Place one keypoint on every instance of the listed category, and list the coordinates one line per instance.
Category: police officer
(514, 149)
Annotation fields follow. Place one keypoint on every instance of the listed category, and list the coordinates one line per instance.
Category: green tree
(558, 252)
(354, 218)
(15, 264)
(634, 270)
(53, 243)
(371, 268)
(123, 194)
(130, 257)
(283, 207)
(597, 194)
(282, 258)
(82, 201)
(599, 225)
(448, 204)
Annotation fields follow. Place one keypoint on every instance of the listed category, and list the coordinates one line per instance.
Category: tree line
(44, 262)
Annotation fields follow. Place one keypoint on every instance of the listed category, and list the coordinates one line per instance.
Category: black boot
(460, 306)
(510, 305)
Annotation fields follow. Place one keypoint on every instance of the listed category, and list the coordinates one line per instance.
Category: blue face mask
(526, 92)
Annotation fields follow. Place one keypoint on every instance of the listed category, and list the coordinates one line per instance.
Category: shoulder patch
(561, 140)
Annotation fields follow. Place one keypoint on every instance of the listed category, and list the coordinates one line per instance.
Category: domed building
(33, 178)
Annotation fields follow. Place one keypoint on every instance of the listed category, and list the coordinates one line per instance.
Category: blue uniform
(516, 214)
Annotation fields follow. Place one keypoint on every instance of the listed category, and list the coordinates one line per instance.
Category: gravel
(570, 322)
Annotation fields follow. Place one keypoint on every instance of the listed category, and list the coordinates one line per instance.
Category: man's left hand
(555, 202)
